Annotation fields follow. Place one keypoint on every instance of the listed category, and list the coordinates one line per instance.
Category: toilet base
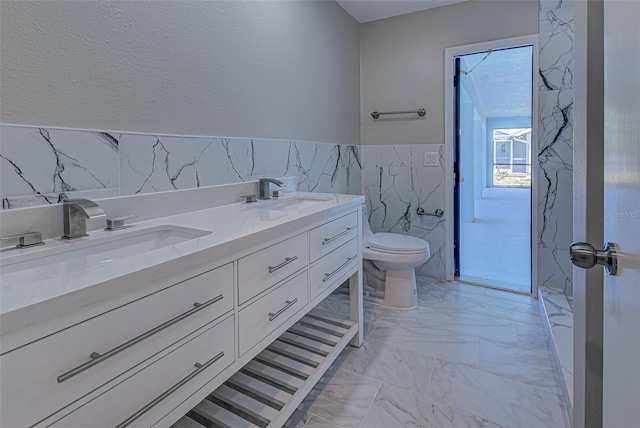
(400, 290)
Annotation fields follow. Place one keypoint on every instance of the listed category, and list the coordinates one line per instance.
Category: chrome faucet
(75, 214)
(263, 187)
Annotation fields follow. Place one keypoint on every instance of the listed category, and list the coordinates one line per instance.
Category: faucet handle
(29, 239)
(117, 223)
(249, 198)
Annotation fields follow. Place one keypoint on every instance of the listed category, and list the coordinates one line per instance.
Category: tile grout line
(370, 405)
(433, 369)
(313, 415)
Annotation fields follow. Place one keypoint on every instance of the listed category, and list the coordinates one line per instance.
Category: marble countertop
(23, 298)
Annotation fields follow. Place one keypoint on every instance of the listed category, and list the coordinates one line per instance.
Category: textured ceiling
(371, 10)
(502, 81)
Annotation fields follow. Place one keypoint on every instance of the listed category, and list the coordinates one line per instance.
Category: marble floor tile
(533, 367)
(490, 369)
(505, 401)
(318, 422)
(390, 363)
(341, 397)
(520, 298)
(447, 321)
(501, 308)
(298, 419)
(466, 288)
(483, 304)
(532, 337)
(395, 407)
(450, 347)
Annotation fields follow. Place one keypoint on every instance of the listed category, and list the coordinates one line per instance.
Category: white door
(621, 354)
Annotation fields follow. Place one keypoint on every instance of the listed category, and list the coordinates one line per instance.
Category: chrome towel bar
(420, 112)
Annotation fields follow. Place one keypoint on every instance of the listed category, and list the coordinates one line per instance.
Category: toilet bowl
(389, 261)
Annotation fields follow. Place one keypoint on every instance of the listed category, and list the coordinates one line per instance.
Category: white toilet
(389, 262)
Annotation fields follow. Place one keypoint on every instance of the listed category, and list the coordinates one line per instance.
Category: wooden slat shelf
(268, 389)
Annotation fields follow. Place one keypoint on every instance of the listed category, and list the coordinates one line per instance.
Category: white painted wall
(276, 69)
(402, 61)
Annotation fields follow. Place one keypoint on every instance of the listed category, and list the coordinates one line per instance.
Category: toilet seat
(393, 243)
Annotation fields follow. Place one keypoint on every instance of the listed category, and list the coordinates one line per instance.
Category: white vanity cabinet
(150, 361)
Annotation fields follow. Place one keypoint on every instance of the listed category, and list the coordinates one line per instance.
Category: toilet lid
(396, 243)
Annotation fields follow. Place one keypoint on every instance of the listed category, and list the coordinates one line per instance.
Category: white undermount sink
(79, 255)
(297, 203)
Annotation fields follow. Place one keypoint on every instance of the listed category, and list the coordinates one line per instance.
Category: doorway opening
(493, 104)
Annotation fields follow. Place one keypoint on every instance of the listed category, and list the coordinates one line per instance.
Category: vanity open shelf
(267, 390)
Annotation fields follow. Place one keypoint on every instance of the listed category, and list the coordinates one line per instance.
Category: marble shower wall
(395, 184)
(555, 157)
(39, 166)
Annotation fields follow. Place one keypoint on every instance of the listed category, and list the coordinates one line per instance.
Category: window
(512, 157)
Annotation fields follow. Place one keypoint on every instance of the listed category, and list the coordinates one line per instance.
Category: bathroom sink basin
(297, 203)
(74, 257)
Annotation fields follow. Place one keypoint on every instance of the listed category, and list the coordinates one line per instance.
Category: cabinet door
(333, 267)
(265, 268)
(326, 238)
(262, 317)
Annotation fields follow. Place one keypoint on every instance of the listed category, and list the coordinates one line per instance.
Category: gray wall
(402, 62)
(277, 69)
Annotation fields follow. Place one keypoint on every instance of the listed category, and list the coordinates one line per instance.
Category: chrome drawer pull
(339, 235)
(289, 303)
(328, 276)
(286, 261)
(200, 368)
(97, 358)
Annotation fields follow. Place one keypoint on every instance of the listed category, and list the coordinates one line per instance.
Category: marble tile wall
(558, 312)
(555, 157)
(40, 165)
(395, 184)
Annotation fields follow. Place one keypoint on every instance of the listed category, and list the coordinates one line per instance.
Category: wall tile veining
(41, 165)
(555, 149)
(395, 184)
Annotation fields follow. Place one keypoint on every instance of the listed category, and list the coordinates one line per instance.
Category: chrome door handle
(289, 303)
(333, 238)
(584, 255)
(286, 261)
(328, 276)
(97, 358)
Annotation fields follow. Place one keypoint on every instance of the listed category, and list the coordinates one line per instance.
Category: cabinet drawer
(263, 316)
(44, 376)
(333, 267)
(183, 370)
(267, 267)
(324, 239)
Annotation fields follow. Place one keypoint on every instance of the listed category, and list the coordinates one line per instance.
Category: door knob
(585, 256)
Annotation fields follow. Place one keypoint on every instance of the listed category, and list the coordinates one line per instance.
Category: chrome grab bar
(97, 358)
(327, 276)
(289, 303)
(200, 368)
(286, 261)
(437, 213)
(339, 235)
